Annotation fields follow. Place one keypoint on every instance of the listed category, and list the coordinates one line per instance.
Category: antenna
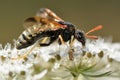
(92, 30)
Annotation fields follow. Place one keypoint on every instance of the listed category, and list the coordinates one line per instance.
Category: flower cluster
(98, 60)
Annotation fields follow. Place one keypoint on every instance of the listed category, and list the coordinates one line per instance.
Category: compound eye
(80, 37)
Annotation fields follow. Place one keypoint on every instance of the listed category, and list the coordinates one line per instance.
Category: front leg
(71, 50)
(72, 40)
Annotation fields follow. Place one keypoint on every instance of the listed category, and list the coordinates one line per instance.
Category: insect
(47, 25)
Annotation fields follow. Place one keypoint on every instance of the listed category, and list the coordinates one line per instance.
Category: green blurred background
(85, 14)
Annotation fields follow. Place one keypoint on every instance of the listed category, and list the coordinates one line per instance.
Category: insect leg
(61, 39)
(71, 44)
(44, 40)
(52, 39)
(25, 54)
(72, 40)
(29, 51)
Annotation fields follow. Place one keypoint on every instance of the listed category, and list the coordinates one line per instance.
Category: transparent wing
(42, 13)
(47, 13)
(38, 24)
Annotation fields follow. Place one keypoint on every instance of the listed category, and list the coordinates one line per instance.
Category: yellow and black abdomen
(26, 39)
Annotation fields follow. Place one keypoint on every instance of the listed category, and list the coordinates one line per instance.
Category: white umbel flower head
(98, 60)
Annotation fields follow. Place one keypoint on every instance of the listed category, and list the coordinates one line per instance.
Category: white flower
(98, 60)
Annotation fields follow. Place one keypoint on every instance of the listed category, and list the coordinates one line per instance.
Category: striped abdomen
(27, 39)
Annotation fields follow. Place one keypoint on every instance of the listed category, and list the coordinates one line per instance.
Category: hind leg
(29, 51)
(25, 54)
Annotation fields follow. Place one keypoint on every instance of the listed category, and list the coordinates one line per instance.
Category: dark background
(85, 14)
